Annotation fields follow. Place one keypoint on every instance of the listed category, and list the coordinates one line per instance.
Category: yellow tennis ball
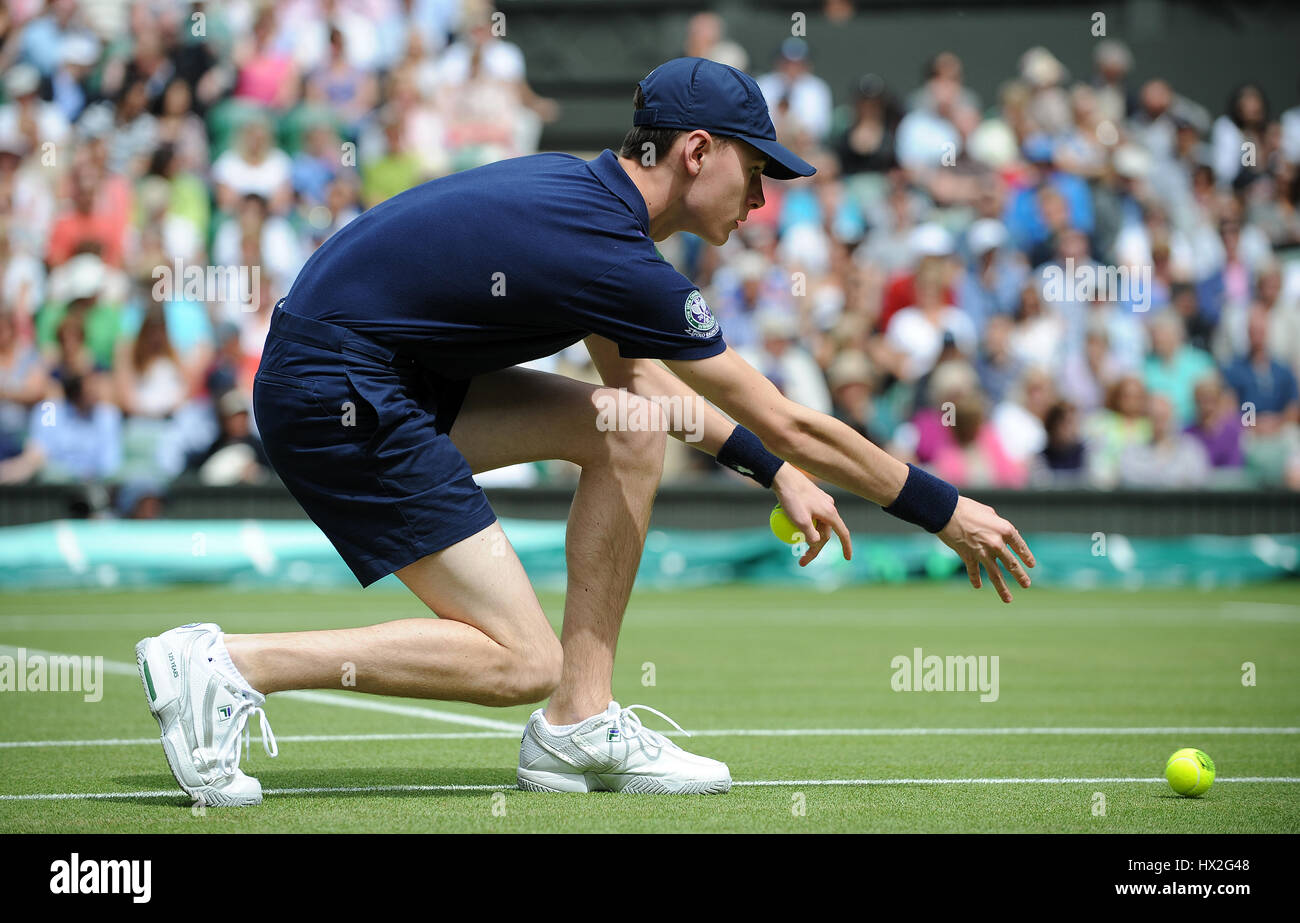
(1190, 772)
(783, 528)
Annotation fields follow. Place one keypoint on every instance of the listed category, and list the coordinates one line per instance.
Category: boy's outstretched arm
(833, 451)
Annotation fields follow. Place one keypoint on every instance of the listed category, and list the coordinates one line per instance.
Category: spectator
(1218, 422)
(71, 357)
(488, 68)
(236, 457)
(397, 169)
(80, 291)
(929, 247)
(27, 115)
(851, 380)
(917, 332)
(254, 167)
(1063, 458)
(799, 101)
(929, 431)
(1020, 418)
(1243, 122)
(786, 364)
(23, 383)
(992, 283)
(1051, 201)
(77, 438)
(1172, 458)
(1085, 379)
(1173, 367)
(1266, 392)
(706, 37)
(46, 35)
(150, 381)
(1112, 62)
(1109, 432)
(1260, 382)
(348, 90)
(1038, 333)
(742, 289)
(146, 64)
(976, 456)
(135, 131)
(318, 164)
(867, 145)
(70, 83)
(86, 227)
(932, 134)
(998, 366)
(266, 75)
(254, 236)
(180, 128)
(1049, 104)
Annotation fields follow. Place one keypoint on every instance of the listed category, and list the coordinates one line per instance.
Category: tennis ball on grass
(1190, 772)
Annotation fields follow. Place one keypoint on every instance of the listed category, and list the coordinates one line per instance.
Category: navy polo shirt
(505, 263)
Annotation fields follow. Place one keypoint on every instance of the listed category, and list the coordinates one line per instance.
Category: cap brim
(781, 163)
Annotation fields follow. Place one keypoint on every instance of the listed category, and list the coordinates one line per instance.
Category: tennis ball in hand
(783, 528)
(1190, 772)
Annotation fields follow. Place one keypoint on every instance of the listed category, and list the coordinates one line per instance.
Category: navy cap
(691, 93)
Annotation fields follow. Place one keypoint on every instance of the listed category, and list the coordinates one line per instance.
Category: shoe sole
(534, 780)
(209, 797)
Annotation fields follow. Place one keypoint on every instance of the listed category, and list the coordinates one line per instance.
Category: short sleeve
(1290, 391)
(650, 310)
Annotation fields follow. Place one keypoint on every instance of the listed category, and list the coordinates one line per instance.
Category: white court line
(757, 783)
(514, 732)
(986, 732)
(343, 700)
(283, 738)
(1260, 612)
(351, 700)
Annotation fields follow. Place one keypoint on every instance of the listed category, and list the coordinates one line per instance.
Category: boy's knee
(530, 676)
(641, 438)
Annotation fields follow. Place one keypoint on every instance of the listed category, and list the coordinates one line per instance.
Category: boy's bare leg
(521, 415)
(491, 643)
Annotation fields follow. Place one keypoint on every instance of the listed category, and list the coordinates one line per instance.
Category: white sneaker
(613, 752)
(201, 713)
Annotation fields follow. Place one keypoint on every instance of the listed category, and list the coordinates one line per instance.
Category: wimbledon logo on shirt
(701, 320)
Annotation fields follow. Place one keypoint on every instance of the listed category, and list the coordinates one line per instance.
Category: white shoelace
(628, 721)
(240, 736)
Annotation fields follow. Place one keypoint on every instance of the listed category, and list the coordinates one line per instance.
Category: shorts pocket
(307, 415)
(382, 400)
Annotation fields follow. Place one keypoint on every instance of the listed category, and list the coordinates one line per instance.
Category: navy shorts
(359, 436)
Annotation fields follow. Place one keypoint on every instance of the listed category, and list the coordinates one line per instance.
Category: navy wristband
(743, 452)
(925, 500)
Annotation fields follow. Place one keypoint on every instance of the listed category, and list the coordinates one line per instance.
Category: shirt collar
(611, 174)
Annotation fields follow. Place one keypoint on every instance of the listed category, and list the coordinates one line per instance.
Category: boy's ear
(694, 148)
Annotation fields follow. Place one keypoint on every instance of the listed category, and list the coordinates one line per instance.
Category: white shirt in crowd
(913, 334)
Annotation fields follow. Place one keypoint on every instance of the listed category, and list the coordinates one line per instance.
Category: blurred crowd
(1088, 281)
(912, 287)
(148, 147)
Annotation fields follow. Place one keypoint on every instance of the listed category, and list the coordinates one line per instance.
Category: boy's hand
(808, 505)
(980, 536)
